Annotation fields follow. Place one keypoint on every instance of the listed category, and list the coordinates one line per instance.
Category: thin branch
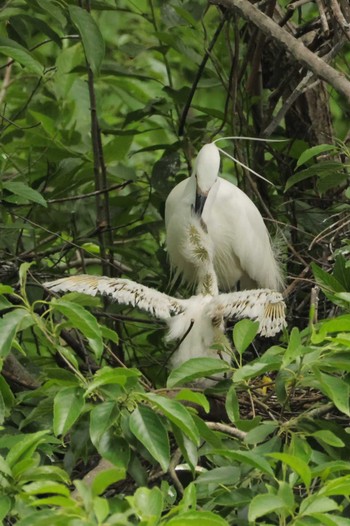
(297, 49)
(229, 430)
(90, 194)
(6, 81)
(198, 77)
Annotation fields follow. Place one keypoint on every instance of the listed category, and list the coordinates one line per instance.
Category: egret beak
(199, 202)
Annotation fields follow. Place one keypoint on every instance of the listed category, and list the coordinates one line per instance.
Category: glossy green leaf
(244, 333)
(5, 506)
(23, 446)
(336, 389)
(68, 406)
(314, 151)
(317, 504)
(148, 504)
(232, 404)
(176, 413)
(149, 429)
(327, 436)
(108, 375)
(194, 397)
(9, 325)
(102, 417)
(83, 320)
(114, 448)
(197, 518)
(105, 478)
(246, 457)
(93, 42)
(10, 48)
(196, 368)
(296, 464)
(264, 505)
(228, 475)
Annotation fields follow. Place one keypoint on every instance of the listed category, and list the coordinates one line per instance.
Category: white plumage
(198, 321)
(237, 236)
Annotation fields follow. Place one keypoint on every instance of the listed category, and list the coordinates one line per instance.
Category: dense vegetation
(103, 105)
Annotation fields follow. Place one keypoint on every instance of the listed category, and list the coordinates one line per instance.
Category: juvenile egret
(198, 322)
(237, 236)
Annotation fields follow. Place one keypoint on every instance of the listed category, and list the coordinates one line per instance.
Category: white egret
(237, 240)
(198, 322)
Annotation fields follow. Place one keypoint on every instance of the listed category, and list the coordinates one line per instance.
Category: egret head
(206, 170)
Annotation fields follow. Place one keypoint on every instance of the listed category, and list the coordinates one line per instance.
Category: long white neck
(198, 249)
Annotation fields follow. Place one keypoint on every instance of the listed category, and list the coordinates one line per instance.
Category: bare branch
(297, 49)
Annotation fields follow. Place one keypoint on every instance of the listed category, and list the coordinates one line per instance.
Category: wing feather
(262, 305)
(123, 291)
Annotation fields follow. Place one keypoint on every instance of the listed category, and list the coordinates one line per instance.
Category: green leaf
(114, 448)
(10, 48)
(244, 333)
(148, 504)
(258, 434)
(194, 397)
(336, 389)
(320, 169)
(40, 487)
(82, 320)
(197, 518)
(105, 478)
(24, 446)
(149, 429)
(296, 464)
(294, 349)
(327, 282)
(9, 325)
(263, 505)
(176, 413)
(232, 405)
(317, 504)
(246, 457)
(314, 151)
(328, 437)
(337, 486)
(223, 475)
(6, 399)
(196, 368)
(102, 417)
(67, 407)
(5, 506)
(92, 39)
(107, 375)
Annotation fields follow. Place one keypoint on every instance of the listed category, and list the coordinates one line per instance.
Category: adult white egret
(237, 236)
(198, 322)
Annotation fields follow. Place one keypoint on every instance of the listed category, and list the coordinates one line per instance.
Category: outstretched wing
(262, 305)
(123, 291)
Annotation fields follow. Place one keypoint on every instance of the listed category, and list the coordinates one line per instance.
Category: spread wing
(122, 291)
(262, 305)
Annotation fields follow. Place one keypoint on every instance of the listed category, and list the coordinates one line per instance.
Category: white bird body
(237, 236)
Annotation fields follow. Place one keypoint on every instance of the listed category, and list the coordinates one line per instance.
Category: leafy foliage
(94, 134)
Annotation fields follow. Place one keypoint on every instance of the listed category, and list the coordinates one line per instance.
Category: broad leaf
(149, 429)
(196, 368)
(244, 333)
(177, 414)
(93, 42)
(68, 406)
(10, 48)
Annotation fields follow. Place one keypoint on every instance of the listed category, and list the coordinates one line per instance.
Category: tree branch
(297, 49)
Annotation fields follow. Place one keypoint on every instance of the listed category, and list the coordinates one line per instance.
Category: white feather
(239, 240)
